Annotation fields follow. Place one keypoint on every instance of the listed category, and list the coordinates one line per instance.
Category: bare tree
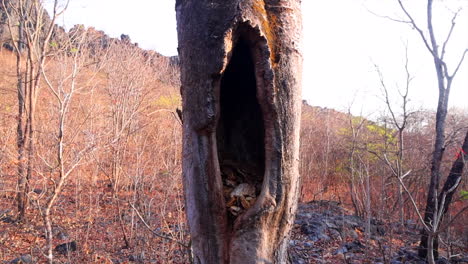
(72, 56)
(356, 125)
(127, 73)
(445, 78)
(240, 71)
(31, 30)
(400, 122)
(126, 79)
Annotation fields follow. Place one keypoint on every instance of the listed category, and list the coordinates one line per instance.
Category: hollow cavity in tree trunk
(240, 132)
(240, 73)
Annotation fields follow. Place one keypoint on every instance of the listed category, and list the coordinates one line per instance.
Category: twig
(156, 233)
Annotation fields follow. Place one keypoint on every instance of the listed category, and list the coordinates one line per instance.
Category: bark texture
(241, 66)
(445, 197)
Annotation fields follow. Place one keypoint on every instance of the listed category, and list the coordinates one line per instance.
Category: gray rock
(25, 259)
(38, 191)
(60, 233)
(313, 228)
(299, 221)
(353, 221)
(298, 261)
(319, 236)
(7, 219)
(442, 260)
(335, 233)
(63, 236)
(324, 237)
(458, 259)
(66, 247)
(341, 250)
(376, 222)
(319, 261)
(308, 244)
(350, 233)
(330, 224)
(356, 246)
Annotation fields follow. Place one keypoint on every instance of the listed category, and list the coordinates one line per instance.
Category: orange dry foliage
(120, 105)
(125, 199)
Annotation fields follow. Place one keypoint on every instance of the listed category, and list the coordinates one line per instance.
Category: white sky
(342, 41)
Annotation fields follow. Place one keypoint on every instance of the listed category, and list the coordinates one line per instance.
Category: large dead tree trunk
(241, 67)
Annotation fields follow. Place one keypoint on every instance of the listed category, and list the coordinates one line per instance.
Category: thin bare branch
(452, 27)
(389, 17)
(458, 65)
(154, 232)
(418, 29)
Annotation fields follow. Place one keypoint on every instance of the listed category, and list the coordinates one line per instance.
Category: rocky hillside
(325, 232)
(9, 21)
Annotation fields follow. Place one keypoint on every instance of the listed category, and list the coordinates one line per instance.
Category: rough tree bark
(241, 66)
(444, 200)
(454, 177)
(16, 19)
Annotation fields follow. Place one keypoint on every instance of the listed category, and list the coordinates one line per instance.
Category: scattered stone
(66, 248)
(378, 230)
(353, 221)
(298, 261)
(405, 255)
(308, 244)
(335, 234)
(25, 259)
(7, 219)
(459, 259)
(62, 236)
(60, 233)
(350, 233)
(38, 191)
(330, 224)
(137, 258)
(355, 247)
(442, 260)
(341, 250)
(313, 228)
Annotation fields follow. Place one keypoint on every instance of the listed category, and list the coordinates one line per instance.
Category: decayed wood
(241, 77)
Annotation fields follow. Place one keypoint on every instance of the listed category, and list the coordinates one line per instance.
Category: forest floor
(324, 232)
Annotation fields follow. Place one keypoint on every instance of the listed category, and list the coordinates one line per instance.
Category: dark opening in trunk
(240, 132)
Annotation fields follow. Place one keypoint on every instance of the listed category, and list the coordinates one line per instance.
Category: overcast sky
(343, 41)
